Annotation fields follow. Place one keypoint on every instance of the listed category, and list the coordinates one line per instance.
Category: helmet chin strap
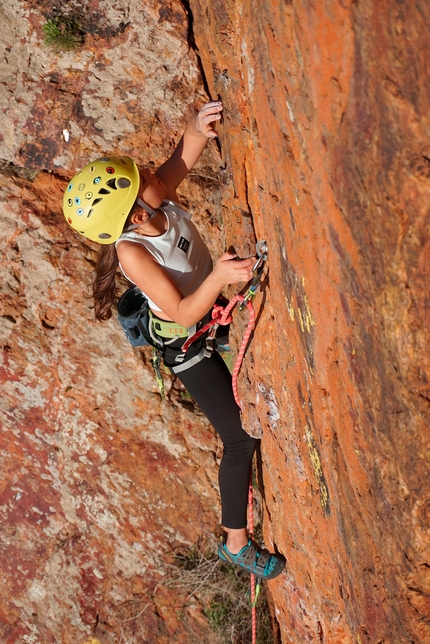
(145, 206)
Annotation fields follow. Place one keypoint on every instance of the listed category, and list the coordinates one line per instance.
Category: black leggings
(209, 383)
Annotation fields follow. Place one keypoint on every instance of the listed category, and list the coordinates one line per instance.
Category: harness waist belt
(168, 329)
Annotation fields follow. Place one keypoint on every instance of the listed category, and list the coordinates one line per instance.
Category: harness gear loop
(170, 332)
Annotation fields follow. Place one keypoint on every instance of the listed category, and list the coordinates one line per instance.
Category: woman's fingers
(231, 254)
(210, 117)
(234, 269)
(226, 257)
(208, 114)
(212, 105)
(211, 112)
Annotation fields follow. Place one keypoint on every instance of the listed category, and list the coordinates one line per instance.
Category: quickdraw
(257, 271)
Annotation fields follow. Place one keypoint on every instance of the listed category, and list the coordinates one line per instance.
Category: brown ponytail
(104, 286)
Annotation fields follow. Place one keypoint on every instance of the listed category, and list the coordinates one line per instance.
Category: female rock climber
(133, 213)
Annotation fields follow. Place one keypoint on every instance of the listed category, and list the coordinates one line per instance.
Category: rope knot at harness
(218, 314)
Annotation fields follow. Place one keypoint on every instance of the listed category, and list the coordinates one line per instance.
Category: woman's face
(152, 190)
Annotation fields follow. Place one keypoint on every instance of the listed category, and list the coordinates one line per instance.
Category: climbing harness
(167, 329)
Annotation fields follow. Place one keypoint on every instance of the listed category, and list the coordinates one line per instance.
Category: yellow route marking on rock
(304, 314)
(290, 308)
(317, 467)
(309, 321)
(301, 320)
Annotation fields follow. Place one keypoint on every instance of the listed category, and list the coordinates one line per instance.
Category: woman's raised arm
(199, 129)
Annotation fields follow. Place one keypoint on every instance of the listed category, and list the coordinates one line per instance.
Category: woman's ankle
(235, 539)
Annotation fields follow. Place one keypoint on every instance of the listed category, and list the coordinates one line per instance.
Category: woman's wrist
(192, 125)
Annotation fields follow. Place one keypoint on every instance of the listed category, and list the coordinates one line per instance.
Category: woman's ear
(139, 217)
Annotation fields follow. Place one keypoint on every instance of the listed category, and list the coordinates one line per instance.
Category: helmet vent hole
(123, 183)
(90, 212)
(96, 201)
(103, 191)
(112, 183)
(104, 236)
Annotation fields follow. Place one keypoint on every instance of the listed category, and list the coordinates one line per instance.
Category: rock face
(326, 150)
(326, 155)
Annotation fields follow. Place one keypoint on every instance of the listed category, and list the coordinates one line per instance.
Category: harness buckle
(209, 346)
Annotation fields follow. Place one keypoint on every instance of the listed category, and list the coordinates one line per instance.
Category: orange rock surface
(326, 151)
(325, 155)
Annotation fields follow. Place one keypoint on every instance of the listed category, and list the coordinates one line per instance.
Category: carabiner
(261, 250)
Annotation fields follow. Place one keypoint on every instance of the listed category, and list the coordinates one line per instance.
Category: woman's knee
(243, 449)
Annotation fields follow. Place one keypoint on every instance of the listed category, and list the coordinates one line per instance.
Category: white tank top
(180, 250)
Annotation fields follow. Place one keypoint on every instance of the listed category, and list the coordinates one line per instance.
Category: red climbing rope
(222, 315)
(242, 349)
(252, 593)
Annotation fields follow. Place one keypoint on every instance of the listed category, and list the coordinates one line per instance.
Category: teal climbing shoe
(258, 561)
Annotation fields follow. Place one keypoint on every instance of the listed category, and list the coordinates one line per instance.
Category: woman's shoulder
(128, 239)
(129, 251)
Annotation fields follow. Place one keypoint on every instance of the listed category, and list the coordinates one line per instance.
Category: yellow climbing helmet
(100, 196)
